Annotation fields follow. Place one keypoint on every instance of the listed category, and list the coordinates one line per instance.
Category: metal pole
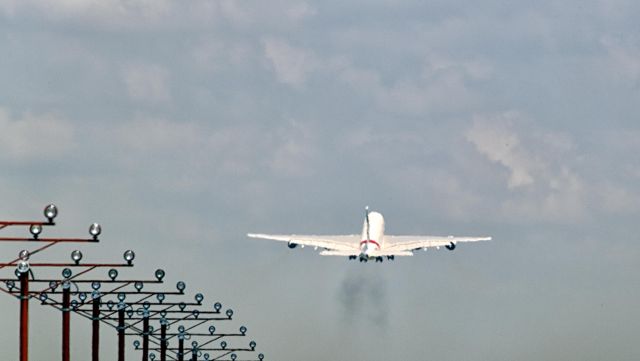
(24, 316)
(163, 342)
(121, 334)
(66, 324)
(145, 339)
(181, 349)
(194, 354)
(95, 336)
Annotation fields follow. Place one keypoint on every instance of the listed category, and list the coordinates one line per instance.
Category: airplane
(372, 244)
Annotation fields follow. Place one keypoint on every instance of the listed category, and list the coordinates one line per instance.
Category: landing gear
(351, 258)
(391, 258)
(379, 259)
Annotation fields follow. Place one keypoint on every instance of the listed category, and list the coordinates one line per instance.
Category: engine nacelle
(292, 245)
(451, 246)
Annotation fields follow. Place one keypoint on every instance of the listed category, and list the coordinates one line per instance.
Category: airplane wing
(346, 243)
(408, 243)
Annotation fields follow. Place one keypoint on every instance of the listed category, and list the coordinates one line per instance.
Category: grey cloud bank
(183, 125)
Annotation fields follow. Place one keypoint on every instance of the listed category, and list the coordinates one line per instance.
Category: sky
(181, 126)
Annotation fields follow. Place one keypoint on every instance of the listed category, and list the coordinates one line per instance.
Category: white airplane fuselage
(372, 235)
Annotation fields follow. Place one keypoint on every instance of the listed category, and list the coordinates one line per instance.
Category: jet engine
(292, 245)
(451, 246)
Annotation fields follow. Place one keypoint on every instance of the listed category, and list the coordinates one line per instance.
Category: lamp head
(243, 330)
(95, 230)
(159, 274)
(129, 256)
(76, 256)
(113, 273)
(50, 212)
(23, 267)
(212, 329)
(229, 313)
(35, 230)
(24, 255)
(181, 286)
(66, 273)
(199, 297)
(138, 286)
(252, 345)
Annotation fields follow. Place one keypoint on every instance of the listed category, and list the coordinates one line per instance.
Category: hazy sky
(183, 125)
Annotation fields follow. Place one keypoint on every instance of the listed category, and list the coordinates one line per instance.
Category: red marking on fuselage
(370, 241)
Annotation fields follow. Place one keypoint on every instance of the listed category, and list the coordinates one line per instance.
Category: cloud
(147, 83)
(495, 138)
(291, 65)
(624, 59)
(34, 136)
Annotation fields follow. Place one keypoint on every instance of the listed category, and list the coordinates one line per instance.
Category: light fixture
(182, 306)
(95, 285)
(260, 357)
(159, 274)
(129, 256)
(66, 273)
(217, 306)
(24, 255)
(194, 344)
(23, 267)
(82, 296)
(234, 357)
(113, 273)
(43, 297)
(10, 285)
(95, 230)
(243, 330)
(223, 345)
(252, 345)
(195, 313)
(138, 286)
(160, 297)
(121, 297)
(76, 256)
(206, 356)
(199, 297)
(181, 329)
(53, 285)
(50, 212)
(35, 230)
(152, 356)
(229, 313)
(212, 329)
(136, 344)
(181, 286)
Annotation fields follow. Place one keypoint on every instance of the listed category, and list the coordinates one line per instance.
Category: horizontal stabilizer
(340, 253)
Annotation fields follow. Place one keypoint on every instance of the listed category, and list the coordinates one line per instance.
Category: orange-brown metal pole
(24, 316)
(95, 335)
(66, 324)
(163, 342)
(180, 349)
(121, 334)
(145, 339)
